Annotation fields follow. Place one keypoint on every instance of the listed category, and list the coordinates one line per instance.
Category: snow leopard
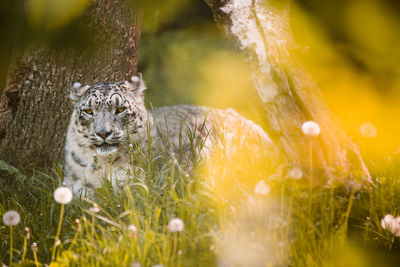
(109, 117)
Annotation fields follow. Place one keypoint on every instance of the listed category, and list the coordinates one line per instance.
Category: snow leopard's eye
(88, 111)
(120, 110)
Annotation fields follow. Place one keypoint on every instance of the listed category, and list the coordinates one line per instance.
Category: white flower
(295, 173)
(11, 218)
(132, 228)
(94, 209)
(63, 195)
(158, 265)
(387, 222)
(391, 224)
(368, 130)
(310, 128)
(262, 188)
(175, 225)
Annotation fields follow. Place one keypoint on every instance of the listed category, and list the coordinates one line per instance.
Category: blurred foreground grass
(238, 209)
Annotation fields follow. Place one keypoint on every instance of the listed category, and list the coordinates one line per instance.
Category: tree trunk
(34, 107)
(260, 28)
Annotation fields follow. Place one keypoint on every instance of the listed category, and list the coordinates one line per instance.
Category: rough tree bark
(34, 107)
(260, 28)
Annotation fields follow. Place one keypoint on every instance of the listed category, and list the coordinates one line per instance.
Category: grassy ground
(226, 222)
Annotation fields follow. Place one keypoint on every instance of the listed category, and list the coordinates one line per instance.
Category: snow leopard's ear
(77, 90)
(136, 83)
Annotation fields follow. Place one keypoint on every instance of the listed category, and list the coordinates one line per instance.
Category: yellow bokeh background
(361, 81)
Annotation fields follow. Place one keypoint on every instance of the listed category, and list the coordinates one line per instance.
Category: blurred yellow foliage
(360, 75)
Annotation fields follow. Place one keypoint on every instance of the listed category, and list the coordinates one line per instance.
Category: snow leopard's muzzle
(106, 133)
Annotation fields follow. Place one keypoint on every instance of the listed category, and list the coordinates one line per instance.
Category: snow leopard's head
(107, 114)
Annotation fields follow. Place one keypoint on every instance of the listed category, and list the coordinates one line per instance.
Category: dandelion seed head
(368, 130)
(386, 221)
(356, 185)
(132, 231)
(262, 188)
(34, 247)
(11, 218)
(175, 225)
(132, 228)
(94, 209)
(63, 195)
(295, 174)
(391, 224)
(311, 128)
(28, 234)
(78, 226)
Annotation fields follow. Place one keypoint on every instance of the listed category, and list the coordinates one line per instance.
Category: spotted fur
(108, 116)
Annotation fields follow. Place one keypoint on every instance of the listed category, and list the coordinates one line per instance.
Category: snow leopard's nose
(104, 134)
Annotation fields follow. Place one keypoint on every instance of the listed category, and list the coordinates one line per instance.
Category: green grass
(225, 221)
